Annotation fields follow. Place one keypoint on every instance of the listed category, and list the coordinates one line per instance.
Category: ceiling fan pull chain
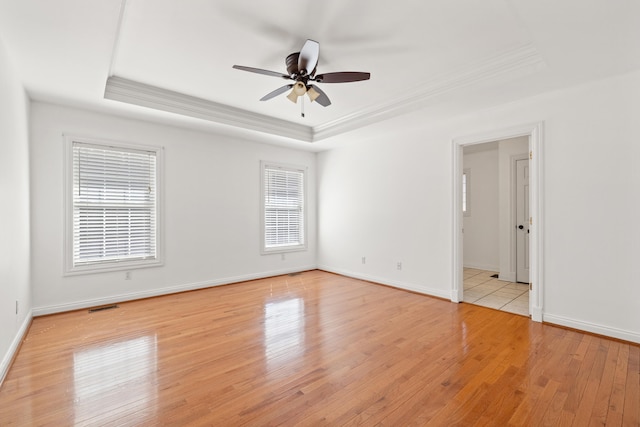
(302, 106)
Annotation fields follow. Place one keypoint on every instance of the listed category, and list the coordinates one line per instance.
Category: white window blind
(114, 204)
(284, 222)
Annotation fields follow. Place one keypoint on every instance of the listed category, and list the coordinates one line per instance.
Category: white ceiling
(177, 56)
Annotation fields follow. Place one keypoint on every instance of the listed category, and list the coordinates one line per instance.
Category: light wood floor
(481, 288)
(315, 349)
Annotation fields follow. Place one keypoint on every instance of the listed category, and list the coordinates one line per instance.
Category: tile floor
(482, 289)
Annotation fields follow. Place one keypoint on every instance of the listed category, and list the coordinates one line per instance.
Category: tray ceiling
(173, 59)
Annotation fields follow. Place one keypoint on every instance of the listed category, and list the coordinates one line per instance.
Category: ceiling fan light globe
(300, 89)
(313, 94)
(293, 97)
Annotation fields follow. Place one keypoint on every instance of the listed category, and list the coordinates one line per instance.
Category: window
(466, 192)
(283, 210)
(112, 206)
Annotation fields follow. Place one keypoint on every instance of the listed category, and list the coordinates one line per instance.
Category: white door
(522, 221)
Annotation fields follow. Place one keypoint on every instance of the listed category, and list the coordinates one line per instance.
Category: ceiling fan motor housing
(292, 65)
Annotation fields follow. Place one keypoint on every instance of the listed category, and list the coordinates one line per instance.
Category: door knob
(521, 227)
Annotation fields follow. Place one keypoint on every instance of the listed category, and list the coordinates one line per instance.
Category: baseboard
(592, 327)
(507, 277)
(15, 345)
(77, 305)
(393, 283)
(481, 266)
(536, 313)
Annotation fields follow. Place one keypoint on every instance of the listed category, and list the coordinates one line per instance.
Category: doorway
(534, 233)
(495, 199)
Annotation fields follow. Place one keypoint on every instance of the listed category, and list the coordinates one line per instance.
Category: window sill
(284, 249)
(112, 266)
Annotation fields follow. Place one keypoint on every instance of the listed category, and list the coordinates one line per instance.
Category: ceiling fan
(301, 68)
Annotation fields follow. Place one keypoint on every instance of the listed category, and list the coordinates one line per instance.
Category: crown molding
(513, 62)
(519, 61)
(144, 95)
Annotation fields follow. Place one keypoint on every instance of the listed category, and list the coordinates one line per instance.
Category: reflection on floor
(482, 289)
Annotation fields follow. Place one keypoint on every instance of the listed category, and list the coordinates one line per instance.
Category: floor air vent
(106, 307)
(294, 274)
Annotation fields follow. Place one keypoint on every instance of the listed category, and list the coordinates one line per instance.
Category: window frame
(264, 250)
(69, 269)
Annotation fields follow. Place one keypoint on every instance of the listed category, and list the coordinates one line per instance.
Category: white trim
(136, 93)
(485, 267)
(535, 133)
(116, 42)
(508, 277)
(524, 59)
(592, 327)
(536, 208)
(521, 60)
(457, 155)
(68, 268)
(119, 298)
(15, 345)
(393, 283)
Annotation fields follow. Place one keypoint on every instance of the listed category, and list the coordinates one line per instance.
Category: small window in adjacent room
(466, 192)
(112, 198)
(283, 208)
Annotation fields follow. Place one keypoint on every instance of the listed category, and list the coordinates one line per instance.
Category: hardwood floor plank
(314, 349)
(631, 413)
(587, 402)
(605, 388)
(578, 385)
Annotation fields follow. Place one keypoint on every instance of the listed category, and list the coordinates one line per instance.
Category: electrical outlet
(399, 265)
(364, 259)
(127, 275)
(282, 257)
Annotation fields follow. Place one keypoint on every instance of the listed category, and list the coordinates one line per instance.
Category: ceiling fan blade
(322, 98)
(276, 92)
(308, 58)
(261, 71)
(342, 77)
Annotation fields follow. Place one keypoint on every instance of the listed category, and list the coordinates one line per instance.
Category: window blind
(114, 204)
(283, 207)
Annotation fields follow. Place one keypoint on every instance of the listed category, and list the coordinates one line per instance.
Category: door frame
(535, 132)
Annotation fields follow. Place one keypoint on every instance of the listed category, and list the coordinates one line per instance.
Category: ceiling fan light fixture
(300, 88)
(301, 70)
(313, 94)
(293, 96)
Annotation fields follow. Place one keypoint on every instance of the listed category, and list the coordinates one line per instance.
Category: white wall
(387, 198)
(212, 210)
(508, 149)
(14, 212)
(388, 195)
(481, 235)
